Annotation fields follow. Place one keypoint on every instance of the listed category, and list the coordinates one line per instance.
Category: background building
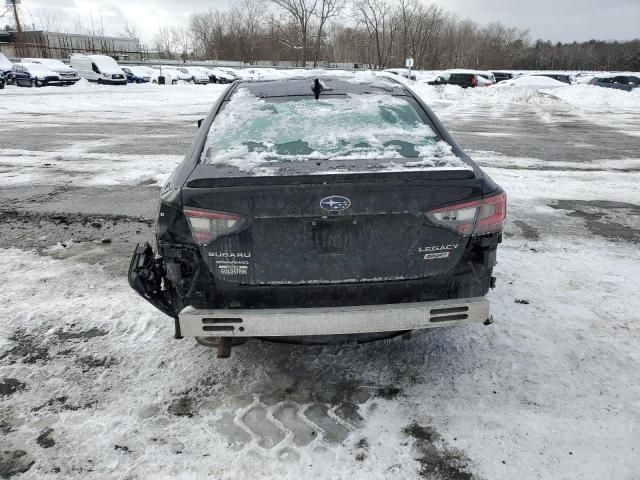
(38, 43)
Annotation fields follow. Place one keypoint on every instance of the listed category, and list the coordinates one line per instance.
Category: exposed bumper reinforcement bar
(332, 320)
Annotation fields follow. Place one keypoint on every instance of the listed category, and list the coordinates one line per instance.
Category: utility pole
(16, 16)
(19, 42)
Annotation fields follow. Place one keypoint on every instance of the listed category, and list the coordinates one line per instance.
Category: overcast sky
(557, 20)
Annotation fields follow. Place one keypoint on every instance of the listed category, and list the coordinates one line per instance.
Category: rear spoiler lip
(202, 177)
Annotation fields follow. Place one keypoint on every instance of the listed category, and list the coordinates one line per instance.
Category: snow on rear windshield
(251, 133)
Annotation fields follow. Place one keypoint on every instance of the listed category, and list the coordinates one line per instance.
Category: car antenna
(317, 88)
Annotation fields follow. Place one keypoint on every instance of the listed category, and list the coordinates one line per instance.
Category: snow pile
(454, 95)
(609, 107)
(82, 83)
(594, 98)
(602, 106)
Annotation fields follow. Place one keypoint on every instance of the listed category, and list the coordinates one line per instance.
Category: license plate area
(332, 236)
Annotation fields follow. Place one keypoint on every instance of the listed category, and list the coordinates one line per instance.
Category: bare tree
(383, 34)
(251, 17)
(301, 11)
(283, 38)
(379, 20)
(48, 20)
(327, 10)
(164, 43)
(78, 27)
(129, 30)
(182, 40)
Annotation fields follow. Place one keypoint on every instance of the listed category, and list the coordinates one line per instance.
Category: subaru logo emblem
(335, 203)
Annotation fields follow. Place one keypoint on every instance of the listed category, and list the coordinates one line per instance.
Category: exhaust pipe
(224, 347)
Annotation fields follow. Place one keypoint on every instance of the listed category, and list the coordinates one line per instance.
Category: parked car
(486, 78)
(401, 72)
(461, 78)
(502, 76)
(618, 81)
(561, 77)
(154, 73)
(171, 77)
(99, 68)
(357, 216)
(5, 67)
(136, 75)
(532, 82)
(147, 70)
(229, 71)
(585, 78)
(217, 75)
(68, 75)
(177, 74)
(197, 76)
(34, 75)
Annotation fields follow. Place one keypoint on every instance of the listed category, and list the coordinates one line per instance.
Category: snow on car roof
(533, 80)
(617, 74)
(45, 61)
(35, 67)
(104, 61)
(352, 127)
(461, 70)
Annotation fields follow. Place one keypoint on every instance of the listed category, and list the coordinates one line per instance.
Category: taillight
(492, 215)
(479, 217)
(461, 217)
(207, 226)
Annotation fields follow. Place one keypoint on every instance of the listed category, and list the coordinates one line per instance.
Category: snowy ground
(93, 386)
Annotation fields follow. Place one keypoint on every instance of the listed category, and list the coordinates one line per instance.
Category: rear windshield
(251, 132)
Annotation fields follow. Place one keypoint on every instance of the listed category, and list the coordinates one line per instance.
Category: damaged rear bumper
(146, 273)
(332, 320)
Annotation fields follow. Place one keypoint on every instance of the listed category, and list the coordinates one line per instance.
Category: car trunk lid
(323, 229)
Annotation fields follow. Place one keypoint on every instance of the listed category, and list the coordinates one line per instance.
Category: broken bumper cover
(333, 320)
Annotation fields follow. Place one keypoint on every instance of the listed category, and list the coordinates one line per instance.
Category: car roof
(616, 74)
(461, 70)
(301, 86)
(36, 66)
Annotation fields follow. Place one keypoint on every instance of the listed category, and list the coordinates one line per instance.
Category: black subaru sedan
(321, 210)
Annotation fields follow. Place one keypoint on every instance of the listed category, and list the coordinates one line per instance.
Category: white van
(99, 68)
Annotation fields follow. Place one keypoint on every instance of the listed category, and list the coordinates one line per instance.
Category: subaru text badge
(335, 203)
